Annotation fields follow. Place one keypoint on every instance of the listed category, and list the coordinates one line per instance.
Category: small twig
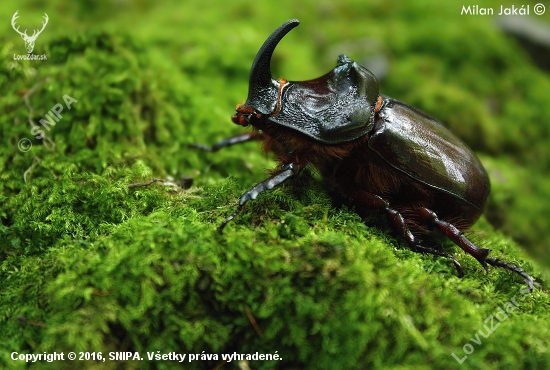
(34, 164)
(28, 93)
(253, 322)
(220, 365)
(22, 319)
(101, 293)
(243, 365)
(137, 184)
(185, 182)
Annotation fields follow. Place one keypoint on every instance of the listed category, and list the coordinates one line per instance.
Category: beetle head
(332, 109)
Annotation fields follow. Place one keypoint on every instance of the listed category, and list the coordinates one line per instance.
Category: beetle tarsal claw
(528, 279)
(484, 265)
(227, 220)
(458, 268)
(422, 249)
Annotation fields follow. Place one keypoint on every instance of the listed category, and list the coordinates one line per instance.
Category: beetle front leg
(287, 171)
(243, 138)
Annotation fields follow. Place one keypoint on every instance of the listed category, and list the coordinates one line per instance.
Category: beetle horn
(262, 89)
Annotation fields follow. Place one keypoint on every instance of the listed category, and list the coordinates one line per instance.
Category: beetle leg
(374, 201)
(528, 279)
(463, 242)
(243, 138)
(422, 249)
(287, 171)
(399, 221)
(457, 236)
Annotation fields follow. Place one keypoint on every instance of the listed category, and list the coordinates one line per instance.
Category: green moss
(88, 264)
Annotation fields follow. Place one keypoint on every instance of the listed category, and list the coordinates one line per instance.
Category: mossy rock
(88, 264)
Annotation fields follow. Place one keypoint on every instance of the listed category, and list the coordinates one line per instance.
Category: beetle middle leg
(416, 245)
(373, 201)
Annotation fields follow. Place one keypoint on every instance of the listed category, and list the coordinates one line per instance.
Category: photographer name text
(538, 9)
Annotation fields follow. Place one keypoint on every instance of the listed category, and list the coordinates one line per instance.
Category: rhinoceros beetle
(376, 151)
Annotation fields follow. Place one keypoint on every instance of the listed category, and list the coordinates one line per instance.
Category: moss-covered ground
(89, 264)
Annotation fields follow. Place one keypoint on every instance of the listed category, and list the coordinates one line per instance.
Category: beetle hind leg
(458, 237)
(450, 231)
(528, 279)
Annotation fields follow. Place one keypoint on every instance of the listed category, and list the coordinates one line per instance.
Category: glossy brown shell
(422, 148)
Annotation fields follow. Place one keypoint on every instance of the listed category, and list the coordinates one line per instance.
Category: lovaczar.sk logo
(29, 40)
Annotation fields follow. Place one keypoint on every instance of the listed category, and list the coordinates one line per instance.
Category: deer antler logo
(29, 40)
